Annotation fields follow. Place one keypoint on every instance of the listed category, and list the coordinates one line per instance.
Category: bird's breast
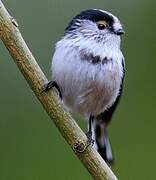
(88, 86)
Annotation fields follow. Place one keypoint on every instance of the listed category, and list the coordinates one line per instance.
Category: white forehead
(114, 17)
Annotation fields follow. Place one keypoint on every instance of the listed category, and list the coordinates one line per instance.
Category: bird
(88, 70)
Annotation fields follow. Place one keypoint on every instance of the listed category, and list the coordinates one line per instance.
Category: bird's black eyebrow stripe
(92, 15)
(95, 15)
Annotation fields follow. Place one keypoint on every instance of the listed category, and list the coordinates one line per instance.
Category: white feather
(88, 88)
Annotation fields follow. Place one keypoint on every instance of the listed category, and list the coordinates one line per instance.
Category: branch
(11, 37)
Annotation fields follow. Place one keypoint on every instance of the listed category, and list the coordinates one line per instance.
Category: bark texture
(22, 56)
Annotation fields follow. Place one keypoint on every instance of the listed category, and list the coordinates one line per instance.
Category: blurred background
(31, 148)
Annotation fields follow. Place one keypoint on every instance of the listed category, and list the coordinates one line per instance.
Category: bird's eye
(101, 25)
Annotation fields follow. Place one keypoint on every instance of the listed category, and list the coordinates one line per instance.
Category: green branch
(11, 37)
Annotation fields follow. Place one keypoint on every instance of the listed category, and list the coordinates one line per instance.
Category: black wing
(107, 115)
(101, 136)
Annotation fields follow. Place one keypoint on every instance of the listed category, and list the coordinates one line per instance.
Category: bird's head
(95, 24)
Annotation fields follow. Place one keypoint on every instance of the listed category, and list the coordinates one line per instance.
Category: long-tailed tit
(88, 70)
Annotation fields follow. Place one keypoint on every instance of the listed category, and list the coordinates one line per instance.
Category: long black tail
(101, 122)
(102, 142)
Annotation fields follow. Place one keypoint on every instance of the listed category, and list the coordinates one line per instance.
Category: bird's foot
(50, 85)
(89, 137)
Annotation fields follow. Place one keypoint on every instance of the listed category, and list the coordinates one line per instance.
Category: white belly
(87, 88)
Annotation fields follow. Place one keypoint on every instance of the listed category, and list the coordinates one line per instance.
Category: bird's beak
(119, 32)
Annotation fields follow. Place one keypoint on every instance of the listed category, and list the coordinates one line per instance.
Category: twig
(11, 37)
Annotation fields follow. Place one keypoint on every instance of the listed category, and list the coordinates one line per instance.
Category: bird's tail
(102, 142)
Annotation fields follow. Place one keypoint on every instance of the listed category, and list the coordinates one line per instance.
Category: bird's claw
(89, 137)
(50, 85)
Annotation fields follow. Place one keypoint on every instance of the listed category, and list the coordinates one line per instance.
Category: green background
(31, 148)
